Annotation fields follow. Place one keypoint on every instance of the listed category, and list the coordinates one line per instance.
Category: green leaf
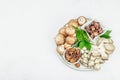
(82, 44)
(76, 44)
(88, 45)
(106, 34)
(82, 39)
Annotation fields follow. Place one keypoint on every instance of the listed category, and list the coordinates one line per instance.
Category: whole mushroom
(73, 23)
(59, 39)
(62, 31)
(82, 20)
(60, 49)
(70, 31)
(70, 40)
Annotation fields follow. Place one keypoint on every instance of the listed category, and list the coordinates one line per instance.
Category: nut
(82, 20)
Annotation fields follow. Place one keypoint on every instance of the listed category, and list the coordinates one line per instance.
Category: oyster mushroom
(109, 47)
(73, 23)
(70, 31)
(59, 39)
(60, 49)
(70, 40)
(82, 20)
(104, 56)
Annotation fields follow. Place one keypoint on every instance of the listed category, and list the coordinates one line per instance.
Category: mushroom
(105, 41)
(66, 45)
(62, 31)
(96, 53)
(70, 40)
(104, 56)
(97, 67)
(77, 65)
(70, 31)
(108, 52)
(73, 23)
(91, 63)
(82, 20)
(59, 39)
(109, 47)
(60, 49)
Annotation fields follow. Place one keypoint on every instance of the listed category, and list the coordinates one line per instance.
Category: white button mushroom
(97, 67)
(73, 23)
(59, 39)
(70, 40)
(62, 31)
(70, 31)
(82, 20)
(60, 49)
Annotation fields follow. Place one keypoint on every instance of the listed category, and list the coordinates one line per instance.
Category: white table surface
(27, 30)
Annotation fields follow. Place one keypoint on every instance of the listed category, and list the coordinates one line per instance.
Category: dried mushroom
(72, 55)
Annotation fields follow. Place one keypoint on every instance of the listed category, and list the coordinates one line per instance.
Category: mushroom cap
(59, 39)
(70, 40)
(70, 31)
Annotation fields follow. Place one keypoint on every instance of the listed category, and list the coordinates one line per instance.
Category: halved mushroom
(82, 20)
(59, 39)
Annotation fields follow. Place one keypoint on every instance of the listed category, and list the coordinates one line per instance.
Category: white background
(27, 30)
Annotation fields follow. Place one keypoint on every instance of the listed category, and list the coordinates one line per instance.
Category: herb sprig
(82, 39)
(106, 34)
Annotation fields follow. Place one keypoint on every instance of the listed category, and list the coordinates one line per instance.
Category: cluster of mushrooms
(66, 38)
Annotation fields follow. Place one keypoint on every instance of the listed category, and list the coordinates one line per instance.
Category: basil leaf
(76, 44)
(106, 34)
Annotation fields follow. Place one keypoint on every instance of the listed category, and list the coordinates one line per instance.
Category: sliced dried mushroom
(72, 55)
(94, 29)
(59, 39)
